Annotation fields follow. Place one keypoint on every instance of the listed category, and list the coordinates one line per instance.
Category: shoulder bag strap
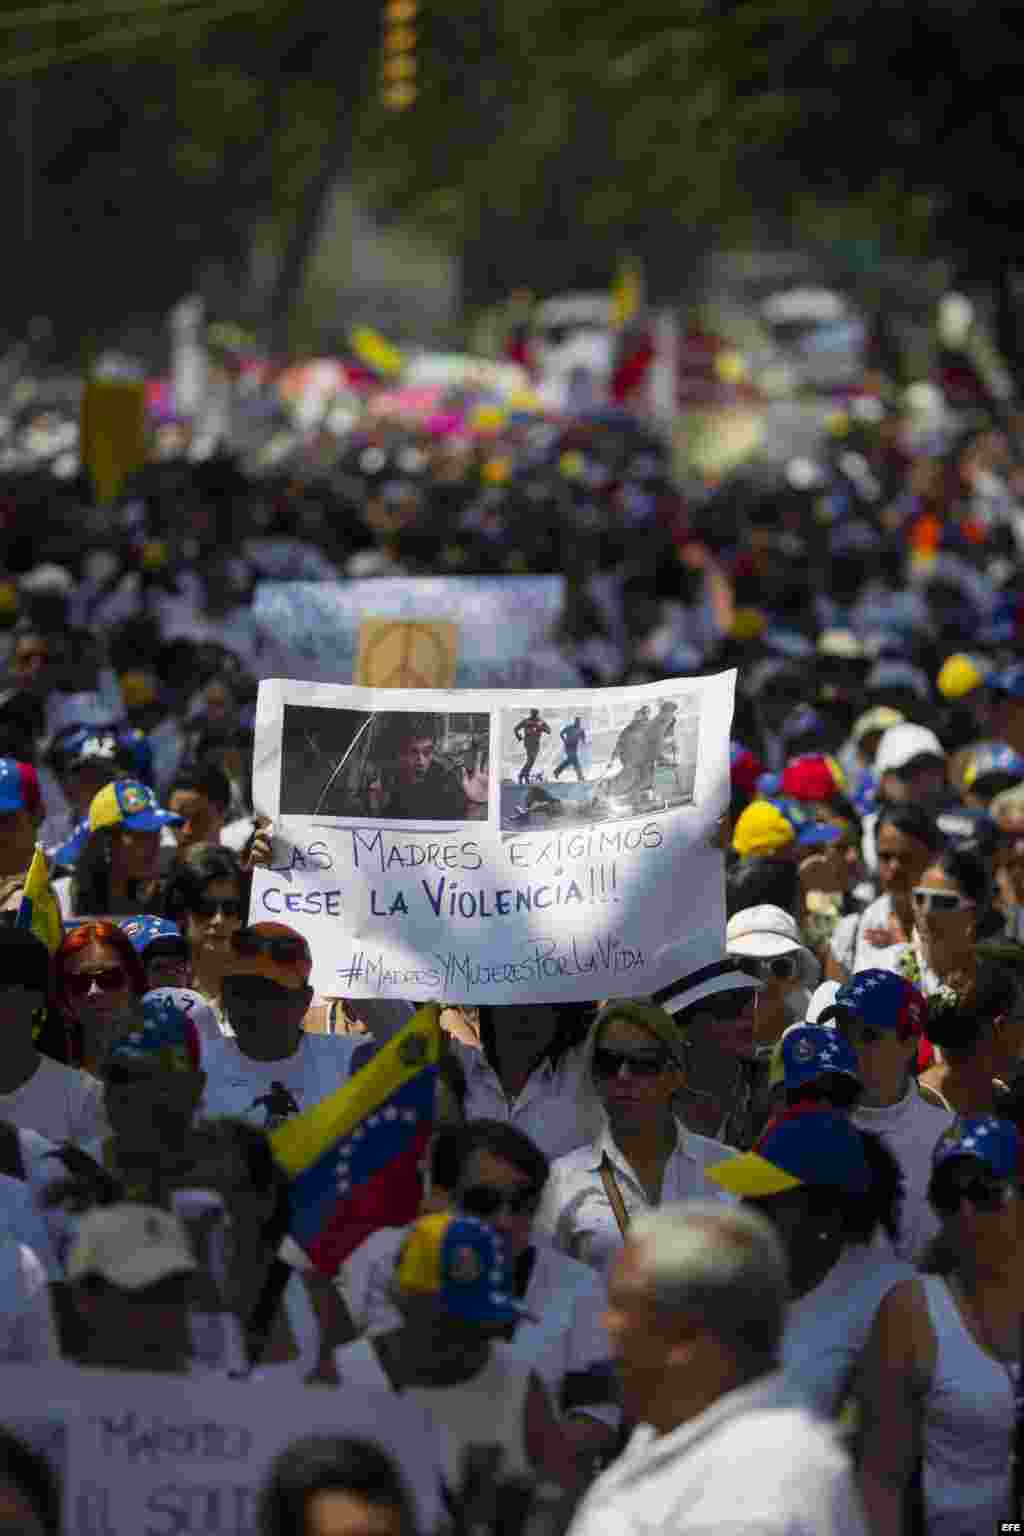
(614, 1193)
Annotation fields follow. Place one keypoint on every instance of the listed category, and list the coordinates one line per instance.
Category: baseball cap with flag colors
(991, 1140)
(883, 1001)
(167, 1042)
(767, 827)
(274, 951)
(462, 1262)
(991, 758)
(127, 803)
(809, 1051)
(19, 787)
(813, 776)
(806, 1145)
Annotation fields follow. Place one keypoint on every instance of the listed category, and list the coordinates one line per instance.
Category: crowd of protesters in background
(757, 1239)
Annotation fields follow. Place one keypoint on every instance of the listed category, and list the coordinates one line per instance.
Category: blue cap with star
(882, 1000)
(993, 1141)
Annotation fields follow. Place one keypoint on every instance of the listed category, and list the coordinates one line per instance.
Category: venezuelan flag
(354, 1158)
(39, 911)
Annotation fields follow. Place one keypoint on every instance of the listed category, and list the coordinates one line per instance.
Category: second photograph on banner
(604, 762)
(398, 765)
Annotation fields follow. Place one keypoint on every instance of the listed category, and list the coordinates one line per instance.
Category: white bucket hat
(760, 933)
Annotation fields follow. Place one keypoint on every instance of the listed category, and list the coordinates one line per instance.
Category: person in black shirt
(530, 732)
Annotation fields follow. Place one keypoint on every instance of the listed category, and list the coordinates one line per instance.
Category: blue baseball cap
(146, 930)
(19, 787)
(127, 803)
(1009, 681)
(809, 1051)
(883, 1001)
(806, 1145)
(969, 831)
(68, 853)
(993, 1141)
(991, 757)
(809, 833)
(462, 1262)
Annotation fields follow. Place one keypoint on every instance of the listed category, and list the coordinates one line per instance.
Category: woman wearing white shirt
(907, 842)
(635, 1059)
(529, 1071)
(830, 1191)
(941, 1366)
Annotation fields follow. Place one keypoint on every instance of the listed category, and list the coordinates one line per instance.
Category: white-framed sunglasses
(927, 900)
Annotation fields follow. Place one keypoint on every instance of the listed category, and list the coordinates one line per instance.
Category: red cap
(809, 778)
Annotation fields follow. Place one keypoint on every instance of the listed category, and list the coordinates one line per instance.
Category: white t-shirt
(28, 1333)
(910, 1130)
(826, 1330)
(577, 1215)
(552, 1108)
(850, 946)
(59, 1102)
(264, 1093)
(489, 1410)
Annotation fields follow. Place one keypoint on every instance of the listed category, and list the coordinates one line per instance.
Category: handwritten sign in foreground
(500, 846)
(180, 1456)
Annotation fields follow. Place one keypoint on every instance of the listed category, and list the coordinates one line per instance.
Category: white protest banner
(311, 630)
(188, 1456)
(495, 847)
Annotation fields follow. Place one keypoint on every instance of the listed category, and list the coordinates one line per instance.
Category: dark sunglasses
(483, 1201)
(110, 980)
(772, 967)
(608, 1064)
(283, 951)
(985, 1192)
(206, 906)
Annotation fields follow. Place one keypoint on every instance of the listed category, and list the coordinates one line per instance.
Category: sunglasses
(111, 980)
(282, 951)
(927, 900)
(608, 1064)
(986, 1193)
(773, 967)
(206, 906)
(483, 1201)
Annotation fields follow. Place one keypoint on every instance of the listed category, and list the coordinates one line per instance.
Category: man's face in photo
(415, 758)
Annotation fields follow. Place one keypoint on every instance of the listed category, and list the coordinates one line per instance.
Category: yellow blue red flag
(40, 911)
(354, 1158)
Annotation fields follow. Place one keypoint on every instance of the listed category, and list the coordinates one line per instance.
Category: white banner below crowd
(500, 846)
(165, 1455)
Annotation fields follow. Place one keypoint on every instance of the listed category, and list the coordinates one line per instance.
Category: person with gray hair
(696, 1311)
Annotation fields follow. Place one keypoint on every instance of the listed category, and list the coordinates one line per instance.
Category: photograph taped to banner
(421, 860)
(641, 759)
(420, 766)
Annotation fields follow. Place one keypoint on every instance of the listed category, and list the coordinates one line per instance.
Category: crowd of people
(744, 1255)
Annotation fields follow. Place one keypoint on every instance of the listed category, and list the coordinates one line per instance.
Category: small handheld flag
(40, 911)
(354, 1158)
